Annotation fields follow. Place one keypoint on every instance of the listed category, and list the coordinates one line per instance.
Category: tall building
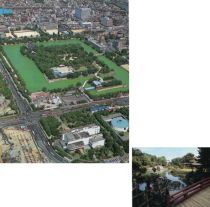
(120, 44)
(106, 21)
(83, 13)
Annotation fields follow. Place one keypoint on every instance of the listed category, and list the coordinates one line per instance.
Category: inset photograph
(167, 177)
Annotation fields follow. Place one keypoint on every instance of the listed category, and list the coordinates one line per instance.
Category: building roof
(94, 42)
(99, 108)
(75, 146)
(63, 69)
(97, 83)
(39, 94)
(72, 136)
(97, 138)
(112, 116)
(83, 127)
(84, 9)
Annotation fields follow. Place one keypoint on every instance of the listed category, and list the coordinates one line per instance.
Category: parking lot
(73, 98)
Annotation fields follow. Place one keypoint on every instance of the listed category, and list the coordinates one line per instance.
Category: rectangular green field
(35, 80)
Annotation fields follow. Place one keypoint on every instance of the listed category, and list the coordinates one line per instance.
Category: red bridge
(195, 195)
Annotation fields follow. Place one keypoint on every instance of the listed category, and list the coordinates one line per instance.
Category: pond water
(175, 178)
(175, 183)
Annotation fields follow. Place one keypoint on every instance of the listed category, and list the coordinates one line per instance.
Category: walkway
(195, 195)
(200, 199)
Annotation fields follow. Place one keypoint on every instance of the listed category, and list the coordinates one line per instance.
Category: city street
(31, 119)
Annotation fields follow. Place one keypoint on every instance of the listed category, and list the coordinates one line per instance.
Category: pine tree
(204, 158)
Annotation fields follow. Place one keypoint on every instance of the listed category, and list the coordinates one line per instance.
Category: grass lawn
(35, 80)
(182, 170)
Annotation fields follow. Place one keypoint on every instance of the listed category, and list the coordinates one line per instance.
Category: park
(166, 177)
(35, 80)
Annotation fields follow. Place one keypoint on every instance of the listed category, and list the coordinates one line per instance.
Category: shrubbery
(51, 125)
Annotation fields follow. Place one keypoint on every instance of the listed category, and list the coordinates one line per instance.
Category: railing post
(167, 198)
(198, 186)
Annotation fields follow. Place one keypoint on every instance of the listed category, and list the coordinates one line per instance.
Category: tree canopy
(204, 158)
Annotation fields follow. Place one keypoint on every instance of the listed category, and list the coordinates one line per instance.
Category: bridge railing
(148, 198)
(188, 192)
(140, 200)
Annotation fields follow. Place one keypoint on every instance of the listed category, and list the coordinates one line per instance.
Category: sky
(170, 153)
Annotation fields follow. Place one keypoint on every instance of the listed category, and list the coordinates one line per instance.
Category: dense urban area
(64, 81)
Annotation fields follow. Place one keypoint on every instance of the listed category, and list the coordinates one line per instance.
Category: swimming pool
(120, 124)
(5, 11)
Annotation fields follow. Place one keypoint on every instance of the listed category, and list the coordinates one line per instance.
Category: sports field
(35, 80)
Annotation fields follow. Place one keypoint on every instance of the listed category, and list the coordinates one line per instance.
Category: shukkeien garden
(162, 183)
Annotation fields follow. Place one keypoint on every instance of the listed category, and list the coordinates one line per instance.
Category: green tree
(204, 158)
(188, 158)
(44, 89)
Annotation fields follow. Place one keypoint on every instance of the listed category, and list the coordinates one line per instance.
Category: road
(26, 119)
(31, 119)
(22, 104)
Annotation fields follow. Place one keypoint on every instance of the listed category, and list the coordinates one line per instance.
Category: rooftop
(97, 138)
(75, 146)
(112, 116)
(72, 136)
(99, 108)
(86, 126)
(37, 95)
(63, 69)
(97, 83)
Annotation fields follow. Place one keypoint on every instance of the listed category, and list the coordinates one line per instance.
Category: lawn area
(120, 73)
(35, 80)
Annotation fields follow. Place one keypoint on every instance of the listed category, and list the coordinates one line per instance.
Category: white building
(97, 141)
(26, 33)
(83, 13)
(99, 46)
(86, 24)
(84, 136)
(40, 99)
(62, 71)
(91, 129)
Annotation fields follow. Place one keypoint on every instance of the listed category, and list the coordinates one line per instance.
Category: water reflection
(172, 182)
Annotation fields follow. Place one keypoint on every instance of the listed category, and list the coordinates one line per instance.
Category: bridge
(195, 195)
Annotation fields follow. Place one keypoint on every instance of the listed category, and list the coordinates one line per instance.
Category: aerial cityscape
(64, 81)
